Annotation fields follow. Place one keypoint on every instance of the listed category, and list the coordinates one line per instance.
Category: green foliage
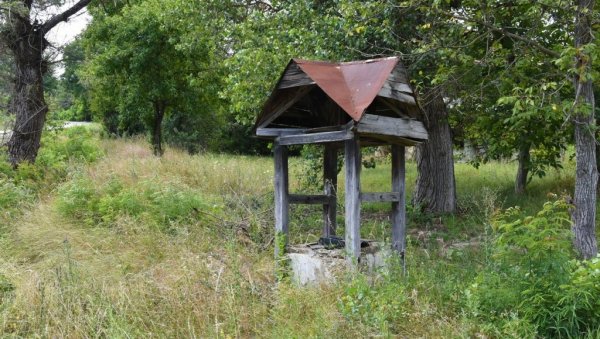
(79, 144)
(531, 275)
(143, 65)
(158, 206)
(12, 194)
(6, 291)
(379, 306)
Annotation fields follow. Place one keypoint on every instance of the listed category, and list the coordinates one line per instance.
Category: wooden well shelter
(342, 106)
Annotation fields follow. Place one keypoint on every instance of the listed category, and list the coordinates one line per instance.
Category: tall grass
(130, 245)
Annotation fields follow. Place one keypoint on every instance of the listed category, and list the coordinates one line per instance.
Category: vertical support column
(399, 208)
(281, 198)
(352, 158)
(330, 188)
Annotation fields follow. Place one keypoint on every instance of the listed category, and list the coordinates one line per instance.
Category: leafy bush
(75, 144)
(379, 306)
(11, 194)
(531, 275)
(160, 205)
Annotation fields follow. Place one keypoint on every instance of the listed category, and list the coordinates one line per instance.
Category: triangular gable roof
(353, 86)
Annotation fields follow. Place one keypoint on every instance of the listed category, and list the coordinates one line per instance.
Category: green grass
(129, 245)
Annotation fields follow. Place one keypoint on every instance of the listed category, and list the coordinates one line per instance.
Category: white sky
(65, 32)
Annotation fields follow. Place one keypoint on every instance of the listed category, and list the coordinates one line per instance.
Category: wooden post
(330, 188)
(399, 207)
(281, 198)
(352, 158)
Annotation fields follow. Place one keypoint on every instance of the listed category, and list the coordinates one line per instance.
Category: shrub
(379, 306)
(76, 144)
(532, 275)
(160, 205)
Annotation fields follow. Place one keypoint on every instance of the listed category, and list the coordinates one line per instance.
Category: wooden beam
(399, 207)
(398, 127)
(310, 199)
(380, 197)
(293, 77)
(397, 95)
(281, 197)
(330, 189)
(277, 104)
(398, 87)
(314, 138)
(352, 203)
(394, 107)
(276, 132)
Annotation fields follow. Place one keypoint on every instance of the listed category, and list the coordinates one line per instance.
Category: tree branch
(506, 33)
(64, 16)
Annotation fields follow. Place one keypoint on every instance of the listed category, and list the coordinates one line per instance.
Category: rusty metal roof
(320, 94)
(352, 85)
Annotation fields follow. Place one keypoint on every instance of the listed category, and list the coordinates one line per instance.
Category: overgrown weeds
(122, 244)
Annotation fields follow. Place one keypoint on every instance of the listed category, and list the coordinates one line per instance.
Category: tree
(586, 177)
(73, 94)
(535, 27)
(142, 69)
(336, 30)
(435, 189)
(24, 36)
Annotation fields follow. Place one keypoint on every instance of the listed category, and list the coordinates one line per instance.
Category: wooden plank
(399, 87)
(399, 74)
(310, 199)
(380, 197)
(281, 197)
(397, 95)
(277, 104)
(399, 127)
(276, 132)
(313, 138)
(394, 107)
(330, 189)
(368, 140)
(399, 207)
(294, 76)
(352, 201)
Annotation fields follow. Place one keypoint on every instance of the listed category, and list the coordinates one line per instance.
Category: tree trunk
(524, 159)
(27, 102)
(435, 189)
(159, 113)
(586, 176)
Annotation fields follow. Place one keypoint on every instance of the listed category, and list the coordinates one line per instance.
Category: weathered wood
(398, 86)
(399, 74)
(281, 197)
(294, 76)
(398, 207)
(280, 103)
(376, 124)
(397, 95)
(276, 132)
(392, 105)
(352, 203)
(330, 189)
(310, 199)
(380, 197)
(313, 138)
(368, 140)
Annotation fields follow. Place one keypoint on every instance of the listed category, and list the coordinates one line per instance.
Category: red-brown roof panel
(352, 85)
